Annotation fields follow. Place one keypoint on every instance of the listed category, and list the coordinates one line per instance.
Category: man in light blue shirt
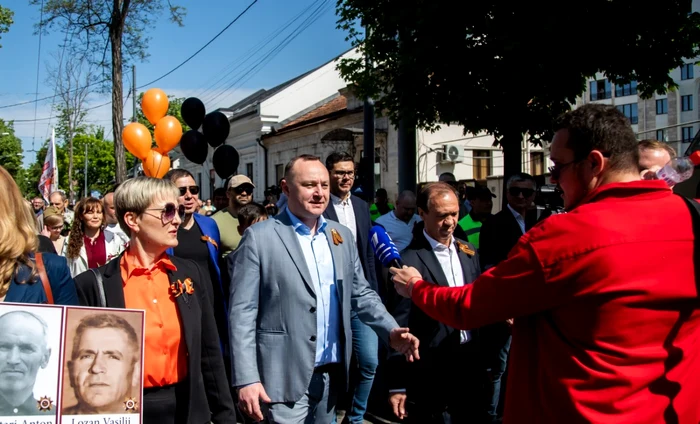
(296, 280)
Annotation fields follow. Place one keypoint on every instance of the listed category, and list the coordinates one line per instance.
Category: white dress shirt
(346, 214)
(401, 232)
(451, 267)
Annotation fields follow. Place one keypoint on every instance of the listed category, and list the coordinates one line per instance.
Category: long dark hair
(77, 231)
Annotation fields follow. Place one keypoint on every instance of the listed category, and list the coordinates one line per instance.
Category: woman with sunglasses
(183, 370)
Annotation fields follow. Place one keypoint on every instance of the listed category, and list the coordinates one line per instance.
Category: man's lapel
(286, 232)
(361, 220)
(330, 213)
(338, 261)
(427, 256)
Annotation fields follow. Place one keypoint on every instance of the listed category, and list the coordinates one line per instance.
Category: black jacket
(210, 397)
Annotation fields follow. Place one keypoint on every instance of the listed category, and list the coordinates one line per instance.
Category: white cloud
(33, 133)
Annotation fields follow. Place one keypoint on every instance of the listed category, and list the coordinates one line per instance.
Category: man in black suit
(498, 236)
(353, 212)
(447, 384)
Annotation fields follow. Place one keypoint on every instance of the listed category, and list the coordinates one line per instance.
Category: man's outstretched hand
(403, 341)
(404, 279)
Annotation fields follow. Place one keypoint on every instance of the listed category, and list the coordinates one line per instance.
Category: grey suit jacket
(273, 307)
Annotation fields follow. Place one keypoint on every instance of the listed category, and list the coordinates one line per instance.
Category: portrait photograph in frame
(102, 366)
(30, 362)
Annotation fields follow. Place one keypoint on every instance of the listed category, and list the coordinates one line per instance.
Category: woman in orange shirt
(184, 378)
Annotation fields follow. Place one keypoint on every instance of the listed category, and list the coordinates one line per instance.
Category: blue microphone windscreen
(384, 248)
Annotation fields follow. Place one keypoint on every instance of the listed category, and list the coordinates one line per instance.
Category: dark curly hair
(603, 128)
(77, 231)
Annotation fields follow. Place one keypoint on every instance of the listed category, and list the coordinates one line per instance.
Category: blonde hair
(18, 236)
(137, 194)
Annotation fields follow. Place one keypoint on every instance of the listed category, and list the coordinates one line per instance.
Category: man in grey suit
(296, 279)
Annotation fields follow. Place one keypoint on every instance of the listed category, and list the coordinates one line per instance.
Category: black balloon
(193, 111)
(215, 128)
(225, 161)
(194, 146)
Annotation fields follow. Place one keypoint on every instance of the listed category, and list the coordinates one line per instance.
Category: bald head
(405, 205)
(108, 207)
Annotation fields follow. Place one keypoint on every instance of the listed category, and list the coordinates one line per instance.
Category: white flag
(49, 174)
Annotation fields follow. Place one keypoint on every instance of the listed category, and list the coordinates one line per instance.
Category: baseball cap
(239, 180)
(481, 192)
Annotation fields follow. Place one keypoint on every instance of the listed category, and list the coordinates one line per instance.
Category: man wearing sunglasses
(604, 298)
(240, 193)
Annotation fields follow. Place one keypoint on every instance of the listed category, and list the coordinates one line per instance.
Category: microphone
(384, 248)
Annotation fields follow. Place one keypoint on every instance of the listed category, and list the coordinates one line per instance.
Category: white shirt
(400, 232)
(451, 267)
(345, 212)
(519, 218)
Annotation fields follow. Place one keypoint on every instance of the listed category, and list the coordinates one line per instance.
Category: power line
(203, 47)
(38, 65)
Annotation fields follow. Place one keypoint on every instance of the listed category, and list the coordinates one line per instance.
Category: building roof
(332, 106)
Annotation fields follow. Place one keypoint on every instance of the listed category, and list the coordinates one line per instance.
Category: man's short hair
(60, 193)
(651, 144)
(603, 128)
(177, 173)
(336, 157)
(40, 320)
(430, 190)
(97, 321)
(249, 213)
(447, 177)
(521, 177)
(136, 194)
(290, 164)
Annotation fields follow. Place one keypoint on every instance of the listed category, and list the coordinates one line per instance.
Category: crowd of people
(260, 314)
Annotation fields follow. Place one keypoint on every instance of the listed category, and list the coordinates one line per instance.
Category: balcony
(600, 95)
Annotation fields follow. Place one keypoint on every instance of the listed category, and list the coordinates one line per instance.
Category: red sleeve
(514, 288)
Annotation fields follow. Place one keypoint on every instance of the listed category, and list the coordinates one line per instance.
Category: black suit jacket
(210, 397)
(364, 248)
(499, 234)
(434, 336)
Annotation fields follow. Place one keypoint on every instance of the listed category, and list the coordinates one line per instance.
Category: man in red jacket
(607, 326)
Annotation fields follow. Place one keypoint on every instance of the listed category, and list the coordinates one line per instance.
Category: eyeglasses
(515, 191)
(344, 174)
(555, 170)
(245, 188)
(167, 213)
(194, 190)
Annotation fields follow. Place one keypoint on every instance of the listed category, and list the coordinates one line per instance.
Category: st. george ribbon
(384, 248)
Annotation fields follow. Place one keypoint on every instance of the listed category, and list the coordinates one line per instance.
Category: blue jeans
(365, 346)
(497, 371)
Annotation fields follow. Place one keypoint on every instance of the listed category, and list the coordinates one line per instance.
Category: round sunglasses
(168, 212)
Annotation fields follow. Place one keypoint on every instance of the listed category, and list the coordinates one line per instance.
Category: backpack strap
(44, 278)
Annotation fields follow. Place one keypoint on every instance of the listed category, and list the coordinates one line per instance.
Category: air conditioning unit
(453, 153)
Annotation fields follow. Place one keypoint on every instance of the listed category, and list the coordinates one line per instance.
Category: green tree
(114, 25)
(101, 163)
(507, 67)
(11, 153)
(6, 20)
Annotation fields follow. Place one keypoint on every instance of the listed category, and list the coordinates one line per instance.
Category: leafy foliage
(101, 163)
(508, 67)
(11, 152)
(6, 20)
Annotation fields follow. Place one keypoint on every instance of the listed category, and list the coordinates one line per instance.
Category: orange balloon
(154, 104)
(168, 133)
(137, 140)
(146, 170)
(158, 165)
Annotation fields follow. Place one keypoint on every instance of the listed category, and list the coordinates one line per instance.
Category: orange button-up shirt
(165, 351)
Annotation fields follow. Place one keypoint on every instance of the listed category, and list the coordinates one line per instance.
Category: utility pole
(407, 142)
(86, 168)
(368, 138)
(133, 117)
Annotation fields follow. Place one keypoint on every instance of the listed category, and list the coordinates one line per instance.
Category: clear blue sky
(169, 46)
